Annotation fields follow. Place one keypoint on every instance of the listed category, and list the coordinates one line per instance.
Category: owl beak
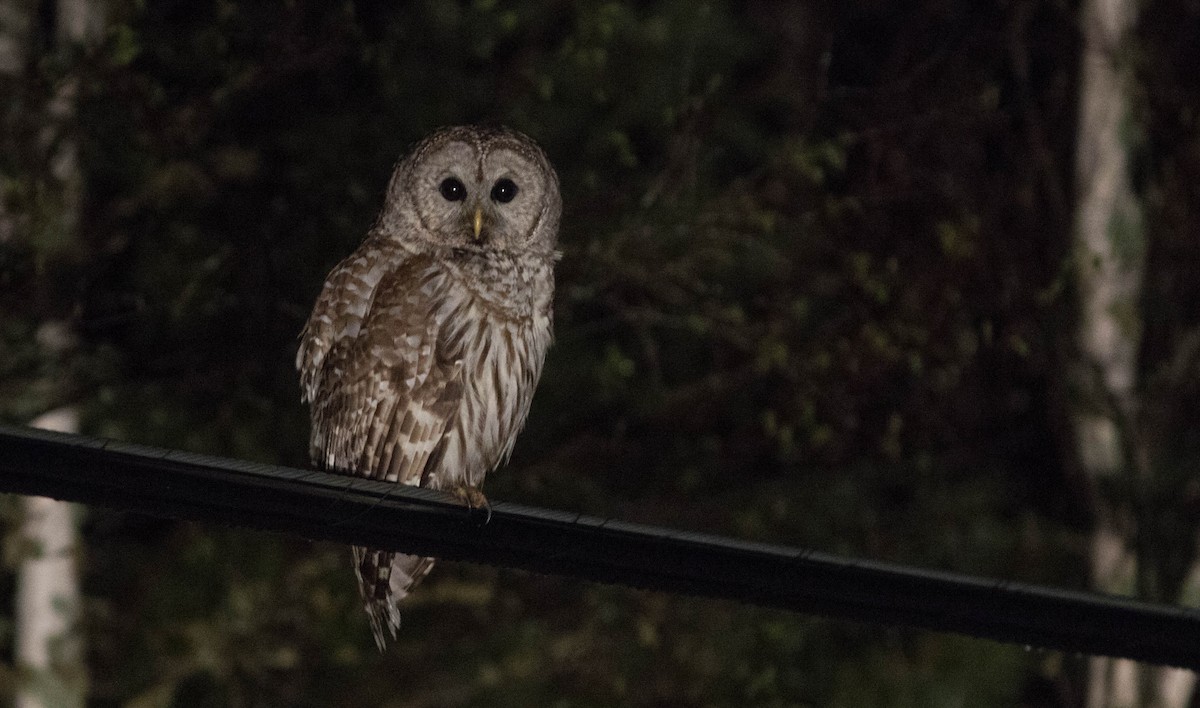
(478, 222)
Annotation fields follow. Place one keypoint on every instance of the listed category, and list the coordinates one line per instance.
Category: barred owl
(421, 355)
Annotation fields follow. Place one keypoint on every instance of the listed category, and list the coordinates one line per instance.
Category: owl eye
(504, 191)
(452, 190)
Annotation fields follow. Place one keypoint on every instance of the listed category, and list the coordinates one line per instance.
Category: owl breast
(500, 321)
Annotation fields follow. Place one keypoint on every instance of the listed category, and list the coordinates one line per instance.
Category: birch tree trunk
(1110, 247)
(49, 643)
(48, 613)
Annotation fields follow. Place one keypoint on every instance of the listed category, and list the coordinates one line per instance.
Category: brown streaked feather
(388, 390)
(340, 309)
(384, 579)
(383, 394)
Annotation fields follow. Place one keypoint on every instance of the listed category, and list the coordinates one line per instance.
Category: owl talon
(474, 500)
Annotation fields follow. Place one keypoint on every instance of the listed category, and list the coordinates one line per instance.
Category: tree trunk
(48, 633)
(49, 638)
(1110, 246)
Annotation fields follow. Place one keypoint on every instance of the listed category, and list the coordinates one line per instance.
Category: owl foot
(473, 499)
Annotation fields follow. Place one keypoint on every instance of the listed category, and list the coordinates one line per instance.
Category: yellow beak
(478, 222)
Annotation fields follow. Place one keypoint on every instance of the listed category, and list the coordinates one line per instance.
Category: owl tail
(384, 579)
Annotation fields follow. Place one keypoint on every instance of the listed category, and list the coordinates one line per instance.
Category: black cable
(338, 508)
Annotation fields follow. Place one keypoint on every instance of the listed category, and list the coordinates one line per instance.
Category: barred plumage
(422, 353)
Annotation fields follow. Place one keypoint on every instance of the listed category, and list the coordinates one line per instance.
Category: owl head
(477, 188)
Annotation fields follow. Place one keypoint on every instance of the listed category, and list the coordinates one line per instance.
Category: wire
(333, 507)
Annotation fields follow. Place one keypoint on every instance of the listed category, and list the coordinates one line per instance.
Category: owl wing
(339, 312)
(387, 390)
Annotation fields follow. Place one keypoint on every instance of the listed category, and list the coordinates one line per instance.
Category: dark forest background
(815, 290)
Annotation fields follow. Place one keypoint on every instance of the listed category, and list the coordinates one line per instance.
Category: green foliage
(811, 293)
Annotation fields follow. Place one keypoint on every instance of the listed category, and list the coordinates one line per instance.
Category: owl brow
(518, 147)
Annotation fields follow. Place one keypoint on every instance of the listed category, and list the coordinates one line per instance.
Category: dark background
(814, 290)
